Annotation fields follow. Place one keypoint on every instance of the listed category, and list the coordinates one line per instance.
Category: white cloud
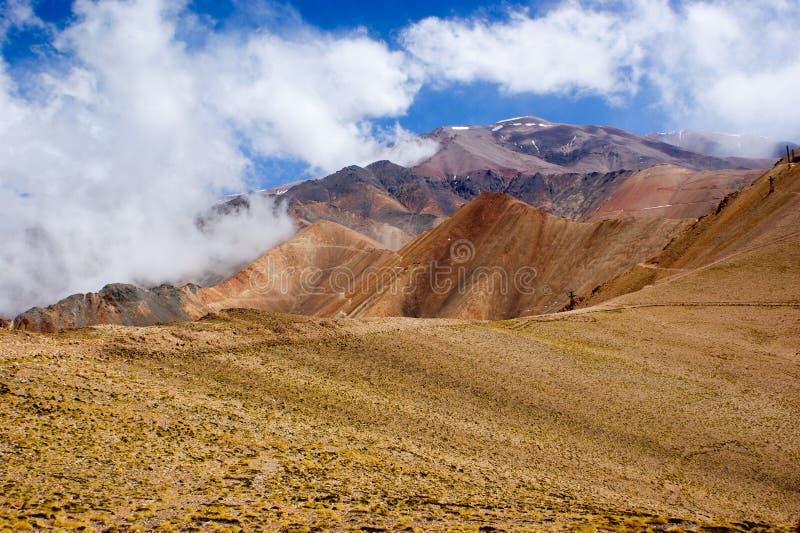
(116, 145)
(717, 64)
(312, 96)
(567, 50)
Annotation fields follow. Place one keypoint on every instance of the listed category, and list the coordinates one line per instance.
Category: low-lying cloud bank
(142, 114)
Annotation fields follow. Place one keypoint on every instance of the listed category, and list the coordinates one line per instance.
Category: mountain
(752, 234)
(495, 258)
(116, 303)
(293, 277)
(671, 404)
(724, 144)
(302, 275)
(498, 258)
(530, 145)
(567, 170)
(585, 183)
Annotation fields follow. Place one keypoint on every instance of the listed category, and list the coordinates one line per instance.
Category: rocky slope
(116, 304)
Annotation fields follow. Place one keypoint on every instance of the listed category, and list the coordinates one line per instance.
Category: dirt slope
(751, 219)
(305, 275)
(499, 258)
(664, 418)
(668, 191)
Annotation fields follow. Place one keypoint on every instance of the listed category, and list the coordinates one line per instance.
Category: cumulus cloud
(111, 149)
(567, 50)
(721, 64)
(311, 96)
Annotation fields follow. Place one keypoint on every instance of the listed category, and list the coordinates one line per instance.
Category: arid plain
(658, 410)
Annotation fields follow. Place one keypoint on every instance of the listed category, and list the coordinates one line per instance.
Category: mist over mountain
(725, 144)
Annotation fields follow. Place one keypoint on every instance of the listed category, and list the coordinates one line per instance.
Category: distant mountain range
(530, 145)
(577, 172)
(580, 205)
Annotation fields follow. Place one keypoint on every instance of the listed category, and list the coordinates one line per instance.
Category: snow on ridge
(459, 128)
(508, 120)
(519, 121)
(497, 128)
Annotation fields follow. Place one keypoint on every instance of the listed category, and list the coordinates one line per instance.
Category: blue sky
(468, 103)
(643, 66)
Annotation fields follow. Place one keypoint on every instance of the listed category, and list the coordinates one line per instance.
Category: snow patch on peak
(509, 120)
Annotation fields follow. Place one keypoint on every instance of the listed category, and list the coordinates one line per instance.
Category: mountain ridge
(532, 145)
(366, 222)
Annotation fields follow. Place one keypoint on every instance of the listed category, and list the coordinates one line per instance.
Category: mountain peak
(530, 145)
